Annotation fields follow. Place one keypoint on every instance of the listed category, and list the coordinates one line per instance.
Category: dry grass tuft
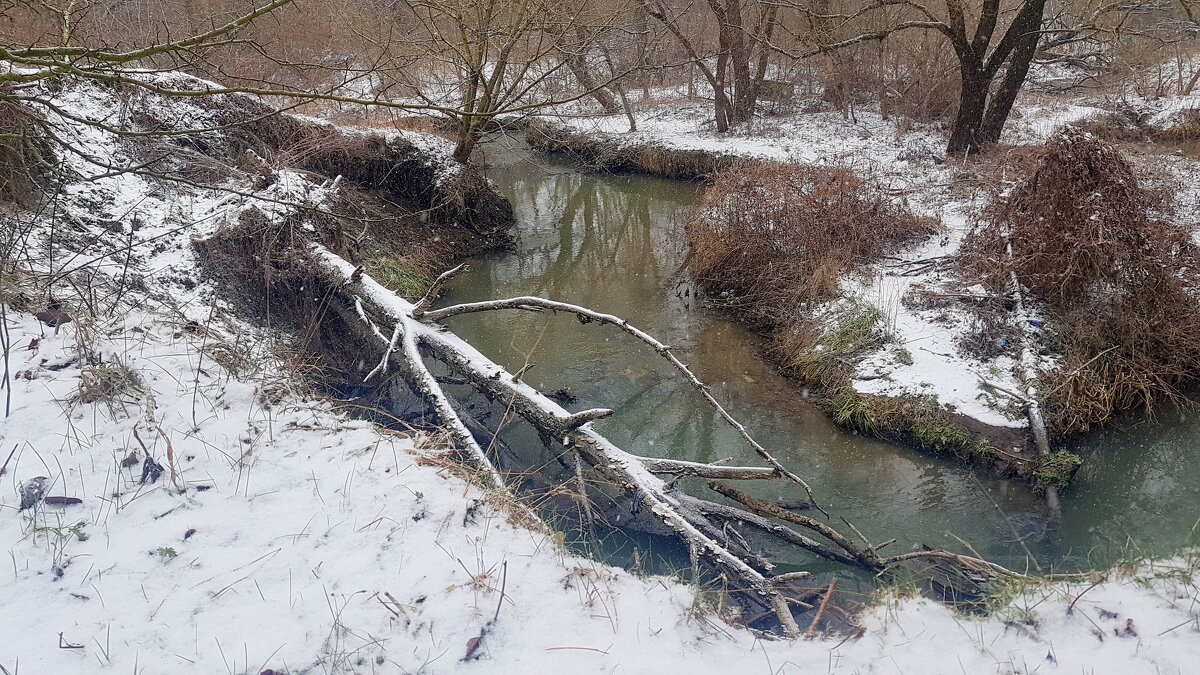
(769, 237)
(112, 383)
(1117, 281)
(823, 353)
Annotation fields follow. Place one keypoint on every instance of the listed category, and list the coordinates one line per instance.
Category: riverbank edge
(904, 420)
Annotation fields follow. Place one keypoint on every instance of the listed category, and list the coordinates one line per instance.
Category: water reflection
(612, 243)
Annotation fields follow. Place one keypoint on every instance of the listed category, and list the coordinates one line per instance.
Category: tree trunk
(981, 116)
(576, 61)
(972, 102)
(739, 57)
(468, 136)
(1014, 78)
(584, 77)
(721, 103)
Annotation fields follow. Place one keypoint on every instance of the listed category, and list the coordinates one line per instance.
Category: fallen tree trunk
(707, 528)
(372, 302)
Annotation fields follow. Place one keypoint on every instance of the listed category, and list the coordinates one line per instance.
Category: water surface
(613, 243)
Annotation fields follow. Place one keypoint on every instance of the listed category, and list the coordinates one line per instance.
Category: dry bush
(1080, 222)
(437, 126)
(26, 159)
(600, 154)
(768, 237)
(1182, 126)
(1119, 125)
(1129, 355)
(1118, 283)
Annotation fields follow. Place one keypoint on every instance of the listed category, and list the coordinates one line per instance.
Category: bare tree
(741, 56)
(990, 38)
(487, 59)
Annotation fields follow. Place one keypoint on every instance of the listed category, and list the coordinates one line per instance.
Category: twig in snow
(4, 467)
(63, 644)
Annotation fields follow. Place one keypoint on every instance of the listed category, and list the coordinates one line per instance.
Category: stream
(614, 243)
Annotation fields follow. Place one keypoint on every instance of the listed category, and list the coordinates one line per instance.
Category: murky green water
(613, 243)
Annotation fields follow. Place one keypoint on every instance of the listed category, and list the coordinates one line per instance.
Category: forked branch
(589, 316)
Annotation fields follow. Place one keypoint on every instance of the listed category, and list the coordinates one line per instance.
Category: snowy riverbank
(201, 511)
(306, 541)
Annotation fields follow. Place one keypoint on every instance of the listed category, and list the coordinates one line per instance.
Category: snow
(294, 538)
(324, 545)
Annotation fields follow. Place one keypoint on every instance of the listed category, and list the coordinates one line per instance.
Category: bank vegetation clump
(769, 239)
(600, 154)
(1116, 278)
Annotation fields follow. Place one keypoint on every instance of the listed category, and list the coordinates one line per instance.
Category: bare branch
(588, 316)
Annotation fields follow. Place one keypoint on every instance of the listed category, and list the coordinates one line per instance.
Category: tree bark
(576, 60)
(1014, 78)
(468, 136)
(972, 102)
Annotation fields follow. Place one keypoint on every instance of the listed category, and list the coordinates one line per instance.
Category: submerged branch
(653, 496)
(679, 467)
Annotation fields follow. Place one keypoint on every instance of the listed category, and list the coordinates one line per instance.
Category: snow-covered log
(704, 526)
(375, 304)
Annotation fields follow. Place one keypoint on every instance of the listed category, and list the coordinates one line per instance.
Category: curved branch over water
(531, 303)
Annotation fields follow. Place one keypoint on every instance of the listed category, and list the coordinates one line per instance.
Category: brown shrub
(1183, 125)
(1119, 125)
(1117, 282)
(1080, 224)
(26, 159)
(600, 154)
(921, 77)
(769, 237)
(1131, 355)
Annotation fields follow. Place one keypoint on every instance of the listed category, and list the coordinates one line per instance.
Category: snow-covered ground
(298, 540)
(284, 536)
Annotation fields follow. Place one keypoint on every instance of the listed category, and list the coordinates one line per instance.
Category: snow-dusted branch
(422, 381)
(679, 467)
(588, 316)
(708, 529)
(364, 296)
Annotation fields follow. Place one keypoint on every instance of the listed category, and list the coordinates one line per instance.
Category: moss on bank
(824, 357)
(402, 274)
(919, 421)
